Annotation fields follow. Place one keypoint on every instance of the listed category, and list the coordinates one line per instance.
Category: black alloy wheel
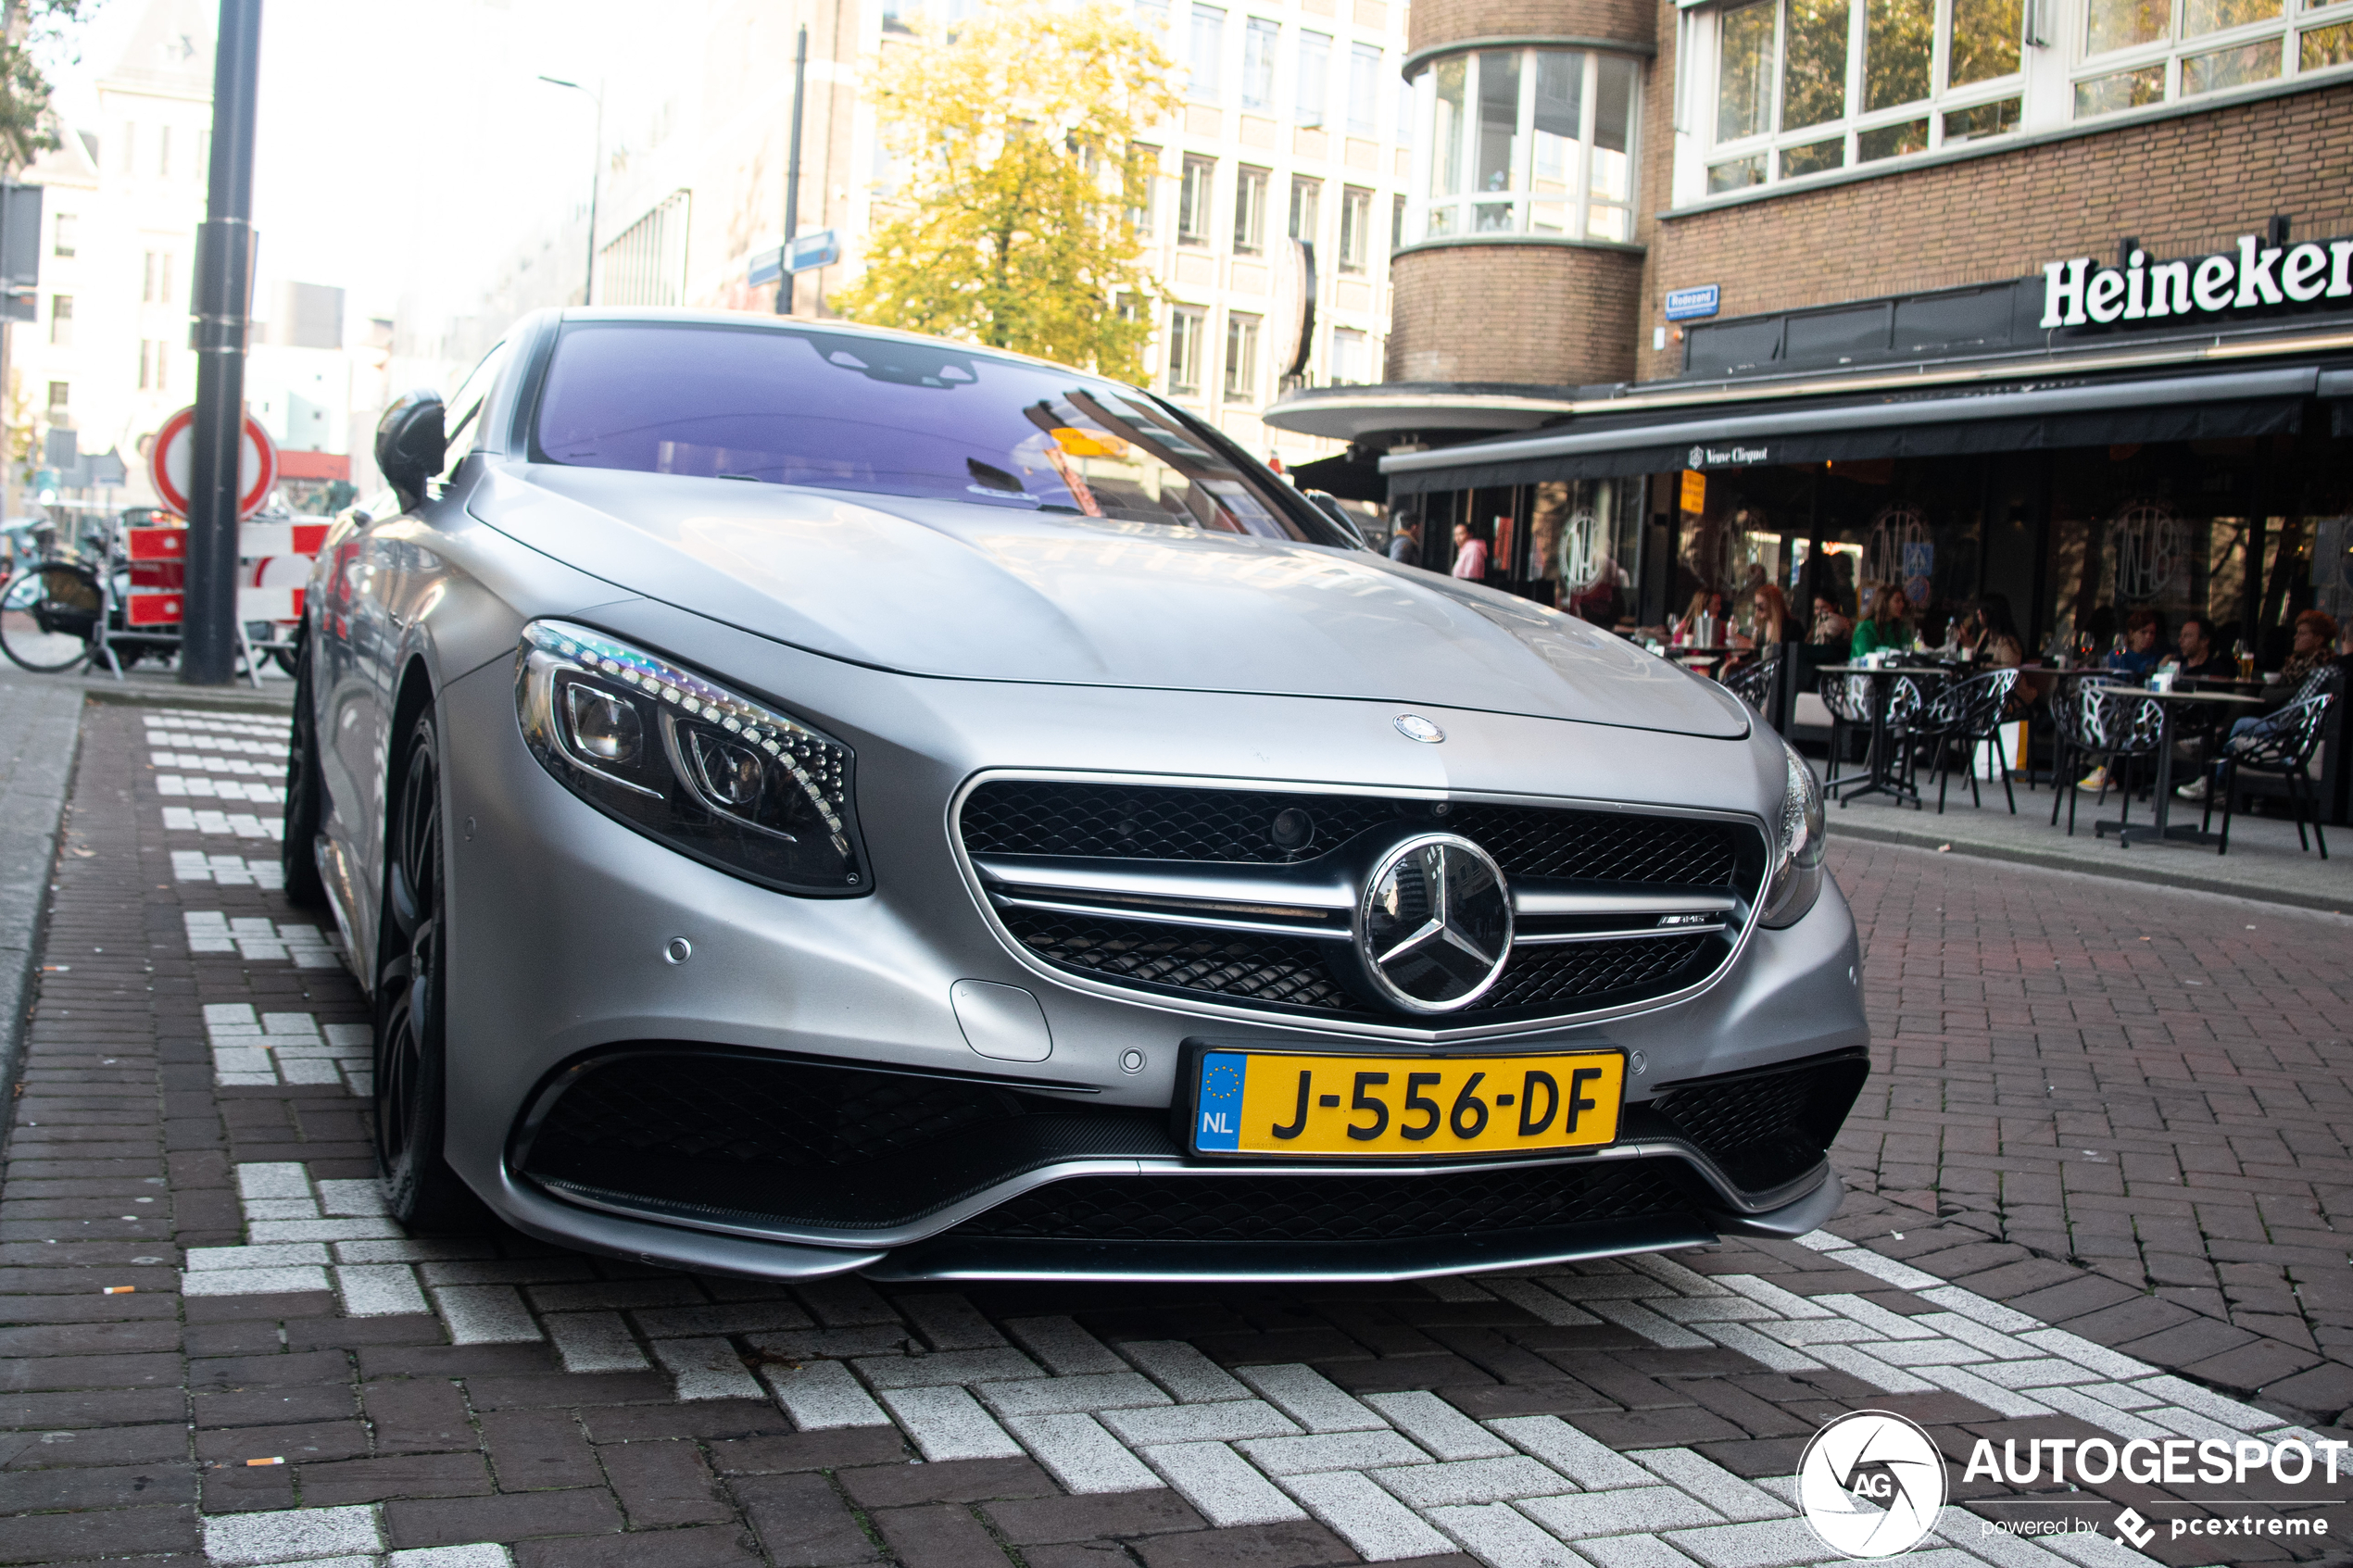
(298, 849)
(410, 1105)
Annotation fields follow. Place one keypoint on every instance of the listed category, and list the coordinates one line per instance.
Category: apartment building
(1296, 126)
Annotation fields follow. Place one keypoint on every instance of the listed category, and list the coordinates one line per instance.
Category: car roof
(758, 321)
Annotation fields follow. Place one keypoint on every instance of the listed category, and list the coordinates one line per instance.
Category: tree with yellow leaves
(1017, 226)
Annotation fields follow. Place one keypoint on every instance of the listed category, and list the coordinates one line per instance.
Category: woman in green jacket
(1888, 626)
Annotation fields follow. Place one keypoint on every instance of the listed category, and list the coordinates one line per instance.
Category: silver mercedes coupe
(806, 799)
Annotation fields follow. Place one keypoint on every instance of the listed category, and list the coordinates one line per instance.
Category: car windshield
(895, 416)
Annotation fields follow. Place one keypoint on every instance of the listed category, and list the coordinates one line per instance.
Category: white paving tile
(1310, 1398)
(289, 1535)
(820, 1396)
(1192, 1377)
(1502, 1537)
(1474, 1481)
(1221, 1484)
(1547, 1306)
(1077, 1452)
(1711, 1483)
(1871, 1370)
(949, 1322)
(1744, 1340)
(1583, 1461)
(947, 1367)
(251, 1282)
(595, 1342)
(1779, 1543)
(1227, 1421)
(1617, 1510)
(1970, 1383)
(1659, 1331)
(1439, 1427)
(1331, 1451)
(1901, 1275)
(482, 1554)
(1378, 1525)
(1058, 1396)
(1064, 1348)
(484, 1314)
(706, 1369)
(379, 1290)
(948, 1423)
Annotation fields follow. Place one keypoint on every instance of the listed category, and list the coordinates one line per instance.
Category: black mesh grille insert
(771, 1141)
(1337, 1208)
(1140, 822)
(1769, 1127)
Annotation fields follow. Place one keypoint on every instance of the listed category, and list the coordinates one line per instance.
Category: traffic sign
(806, 253)
(172, 456)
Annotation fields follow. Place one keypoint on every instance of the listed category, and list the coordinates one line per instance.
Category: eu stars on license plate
(1300, 1105)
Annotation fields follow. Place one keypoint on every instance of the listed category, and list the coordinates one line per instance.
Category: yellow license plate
(1264, 1102)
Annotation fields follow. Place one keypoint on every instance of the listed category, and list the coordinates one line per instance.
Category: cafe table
(2163, 829)
(1881, 775)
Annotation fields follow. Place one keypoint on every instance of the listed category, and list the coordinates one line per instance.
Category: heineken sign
(2253, 276)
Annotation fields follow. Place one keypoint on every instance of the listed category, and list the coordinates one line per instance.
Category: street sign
(172, 455)
(767, 265)
(1684, 304)
(806, 253)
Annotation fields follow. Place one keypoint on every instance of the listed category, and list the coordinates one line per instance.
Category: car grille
(1053, 855)
(1335, 1208)
(1141, 823)
(1766, 1128)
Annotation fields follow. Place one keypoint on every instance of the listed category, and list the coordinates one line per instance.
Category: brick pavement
(191, 1128)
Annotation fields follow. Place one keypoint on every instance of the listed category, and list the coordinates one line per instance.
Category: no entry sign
(172, 460)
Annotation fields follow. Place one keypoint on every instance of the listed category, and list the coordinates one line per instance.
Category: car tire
(298, 848)
(410, 1102)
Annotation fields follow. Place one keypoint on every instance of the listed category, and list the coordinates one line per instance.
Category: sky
(402, 145)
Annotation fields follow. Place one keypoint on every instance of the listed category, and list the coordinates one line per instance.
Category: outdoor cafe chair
(2282, 744)
(1849, 699)
(1964, 716)
(2104, 727)
(1754, 681)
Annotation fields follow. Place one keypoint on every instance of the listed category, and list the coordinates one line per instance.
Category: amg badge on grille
(1434, 923)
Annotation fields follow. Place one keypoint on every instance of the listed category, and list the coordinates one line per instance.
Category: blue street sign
(806, 253)
(767, 265)
(1684, 304)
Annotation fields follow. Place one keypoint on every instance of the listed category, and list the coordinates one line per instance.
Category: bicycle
(59, 615)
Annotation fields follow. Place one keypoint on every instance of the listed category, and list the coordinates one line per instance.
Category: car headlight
(1797, 858)
(711, 773)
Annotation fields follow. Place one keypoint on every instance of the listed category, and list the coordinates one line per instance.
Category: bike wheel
(48, 614)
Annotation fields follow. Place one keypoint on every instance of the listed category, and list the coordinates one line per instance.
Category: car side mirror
(412, 445)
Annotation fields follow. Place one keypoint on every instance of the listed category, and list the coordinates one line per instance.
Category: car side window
(463, 413)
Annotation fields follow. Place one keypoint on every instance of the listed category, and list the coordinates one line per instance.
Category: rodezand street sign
(805, 254)
(171, 460)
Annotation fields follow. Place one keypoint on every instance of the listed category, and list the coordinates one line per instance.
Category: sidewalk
(288, 1378)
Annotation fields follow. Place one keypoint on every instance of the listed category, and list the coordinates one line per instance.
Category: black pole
(223, 306)
(792, 174)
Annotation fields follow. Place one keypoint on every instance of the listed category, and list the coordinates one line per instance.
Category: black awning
(2086, 414)
(1344, 477)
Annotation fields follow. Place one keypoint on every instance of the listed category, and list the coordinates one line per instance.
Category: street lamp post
(596, 177)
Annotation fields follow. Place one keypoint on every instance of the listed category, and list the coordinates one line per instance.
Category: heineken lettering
(2076, 293)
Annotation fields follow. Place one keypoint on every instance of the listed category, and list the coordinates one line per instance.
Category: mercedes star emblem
(1434, 923)
(1413, 726)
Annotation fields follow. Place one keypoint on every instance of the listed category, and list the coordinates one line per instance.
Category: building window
(1142, 218)
(1241, 357)
(1540, 141)
(61, 319)
(1315, 77)
(1208, 48)
(1924, 75)
(1397, 223)
(1364, 90)
(130, 146)
(1352, 359)
(1306, 208)
(1356, 228)
(1153, 14)
(1192, 201)
(1258, 64)
(1249, 211)
(61, 241)
(152, 365)
(163, 151)
(645, 263)
(894, 19)
(155, 289)
(60, 396)
(2144, 52)
(1184, 328)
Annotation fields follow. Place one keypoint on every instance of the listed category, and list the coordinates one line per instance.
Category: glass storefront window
(2150, 29)
(1985, 40)
(1898, 49)
(1814, 64)
(1540, 141)
(1744, 73)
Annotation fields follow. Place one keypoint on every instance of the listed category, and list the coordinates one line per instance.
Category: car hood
(982, 591)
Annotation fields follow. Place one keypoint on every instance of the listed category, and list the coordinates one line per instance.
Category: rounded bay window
(1532, 141)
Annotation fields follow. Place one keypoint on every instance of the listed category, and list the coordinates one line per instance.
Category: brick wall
(1441, 21)
(2182, 186)
(1553, 315)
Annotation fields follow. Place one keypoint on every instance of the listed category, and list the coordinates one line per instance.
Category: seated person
(2199, 655)
(1888, 626)
(2144, 629)
(1829, 626)
(2315, 631)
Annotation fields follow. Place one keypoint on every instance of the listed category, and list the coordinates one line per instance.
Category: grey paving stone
(1220, 1483)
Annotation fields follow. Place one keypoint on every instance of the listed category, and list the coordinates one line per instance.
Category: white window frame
(2175, 48)
(1521, 196)
(1262, 46)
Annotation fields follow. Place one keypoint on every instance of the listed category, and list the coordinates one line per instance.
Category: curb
(2167, 876)
(31, 838)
